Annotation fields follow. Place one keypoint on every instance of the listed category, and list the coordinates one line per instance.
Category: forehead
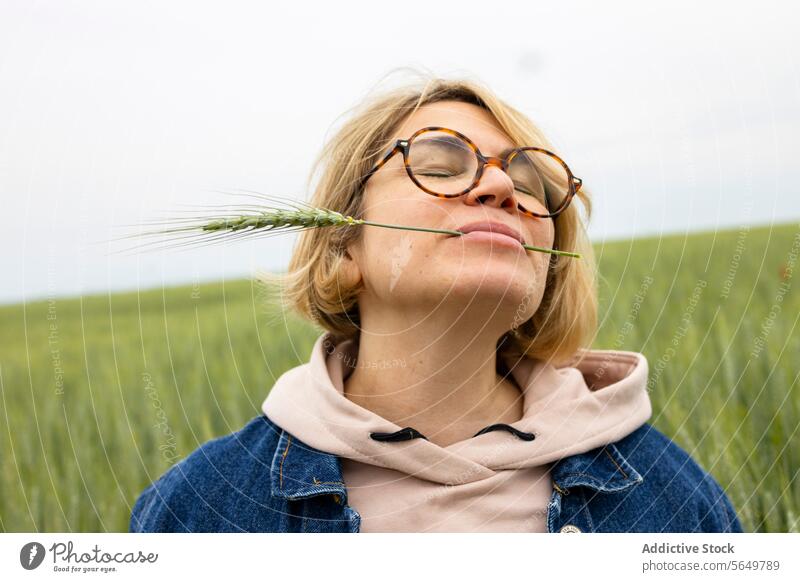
(475, 122)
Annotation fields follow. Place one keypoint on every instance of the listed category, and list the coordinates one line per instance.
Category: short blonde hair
(566, 319)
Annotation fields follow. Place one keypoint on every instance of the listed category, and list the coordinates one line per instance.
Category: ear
(351, 271)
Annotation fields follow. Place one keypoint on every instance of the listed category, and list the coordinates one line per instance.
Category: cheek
(407, 207)
(389, 251)
(542, 232)
(392, 260)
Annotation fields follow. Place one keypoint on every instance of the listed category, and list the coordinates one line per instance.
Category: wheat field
(101, 394)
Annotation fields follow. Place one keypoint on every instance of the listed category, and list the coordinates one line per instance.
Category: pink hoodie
(492, 482)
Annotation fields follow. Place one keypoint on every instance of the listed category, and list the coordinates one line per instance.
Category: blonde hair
(313, 286)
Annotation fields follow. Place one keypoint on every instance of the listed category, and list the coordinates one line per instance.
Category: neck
(439, 379)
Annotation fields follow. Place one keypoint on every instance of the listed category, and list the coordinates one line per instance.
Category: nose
(494, 188)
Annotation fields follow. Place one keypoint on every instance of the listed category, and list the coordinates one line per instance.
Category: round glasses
(445, 163)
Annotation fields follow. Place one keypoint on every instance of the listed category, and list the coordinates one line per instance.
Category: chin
(507, 284)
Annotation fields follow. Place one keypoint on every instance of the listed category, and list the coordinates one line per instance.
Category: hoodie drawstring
(408, 433)
(525, 436)
(404, 434)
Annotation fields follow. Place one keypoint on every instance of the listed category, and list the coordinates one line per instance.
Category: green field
(102, 394)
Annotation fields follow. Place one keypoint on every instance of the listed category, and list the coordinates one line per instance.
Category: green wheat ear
(261, 220)
(280, 219)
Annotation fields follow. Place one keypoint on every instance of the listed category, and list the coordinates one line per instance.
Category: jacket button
(569, 528)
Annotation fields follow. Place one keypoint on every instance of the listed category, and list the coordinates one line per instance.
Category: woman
(453, 388)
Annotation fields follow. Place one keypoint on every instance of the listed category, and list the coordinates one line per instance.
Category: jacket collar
(603, 469)
(299, 471)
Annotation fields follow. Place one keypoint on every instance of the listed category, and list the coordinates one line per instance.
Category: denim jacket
(262, 479)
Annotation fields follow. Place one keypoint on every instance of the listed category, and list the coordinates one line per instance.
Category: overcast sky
(678, 117)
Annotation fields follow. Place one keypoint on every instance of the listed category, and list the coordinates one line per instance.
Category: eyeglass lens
(446, 164)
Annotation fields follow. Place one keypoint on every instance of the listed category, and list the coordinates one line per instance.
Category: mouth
(492, 232)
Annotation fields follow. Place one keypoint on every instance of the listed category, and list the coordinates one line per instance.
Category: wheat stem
(297, 216)
(287, 219)
(459, 233)
(419, 228)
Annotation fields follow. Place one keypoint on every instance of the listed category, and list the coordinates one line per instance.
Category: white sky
(678, 116)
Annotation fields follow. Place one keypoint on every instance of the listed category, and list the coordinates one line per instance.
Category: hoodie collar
(596, 399)
(300, 471)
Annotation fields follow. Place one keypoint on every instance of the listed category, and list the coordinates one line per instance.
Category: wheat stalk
(260, 220)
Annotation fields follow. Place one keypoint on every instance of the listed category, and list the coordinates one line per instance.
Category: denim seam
(620, 459)
(624, 474)
(283, 458)
(594, 482)
(555, 500)
(310, 494)
(588, 476)
(318, 482)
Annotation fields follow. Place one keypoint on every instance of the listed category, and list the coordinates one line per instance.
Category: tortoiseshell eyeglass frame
(403, 145)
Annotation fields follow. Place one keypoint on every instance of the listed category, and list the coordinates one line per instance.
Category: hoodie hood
(596, 399)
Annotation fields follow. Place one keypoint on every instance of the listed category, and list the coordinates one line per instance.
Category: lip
(492, 228)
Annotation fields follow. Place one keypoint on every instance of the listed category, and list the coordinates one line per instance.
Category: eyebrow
(454, 139)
